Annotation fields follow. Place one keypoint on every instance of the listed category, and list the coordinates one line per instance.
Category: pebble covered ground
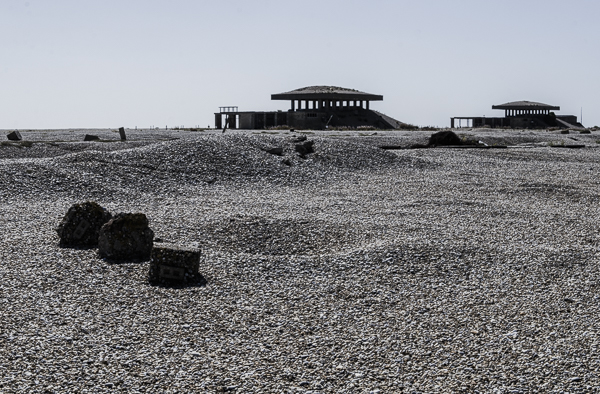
(351, 270)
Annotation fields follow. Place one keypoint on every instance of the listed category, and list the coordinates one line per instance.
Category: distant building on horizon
(521, 115)
(312, 107)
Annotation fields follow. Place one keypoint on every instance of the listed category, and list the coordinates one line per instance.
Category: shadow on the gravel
(197, 281)
(126, 261)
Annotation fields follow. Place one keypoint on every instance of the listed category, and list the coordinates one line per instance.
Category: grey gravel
(351, 270)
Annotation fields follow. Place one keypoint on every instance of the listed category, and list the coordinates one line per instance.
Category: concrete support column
(368, 104)
(451, 123)
(218, 121)
(293, 105)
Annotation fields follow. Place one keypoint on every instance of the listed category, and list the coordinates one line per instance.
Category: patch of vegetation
(469, 140)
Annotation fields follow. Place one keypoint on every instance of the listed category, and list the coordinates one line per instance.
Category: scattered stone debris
(275, 151)
(300, 138)
(14, 136)
(175, 265)
(90, 137)
(81, 225)
(126, 237)
(444, 138)
(305, 148)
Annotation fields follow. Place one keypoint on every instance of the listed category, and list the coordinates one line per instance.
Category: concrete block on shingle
(175, 265)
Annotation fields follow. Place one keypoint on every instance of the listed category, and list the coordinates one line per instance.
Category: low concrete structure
(175, 264)
(313, 107)
(521, 115)
(14, 136)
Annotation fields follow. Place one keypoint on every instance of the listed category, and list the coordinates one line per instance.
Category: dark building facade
(521, 115)
(313, 107)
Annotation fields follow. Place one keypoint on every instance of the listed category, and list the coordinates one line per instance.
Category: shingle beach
(352, 269)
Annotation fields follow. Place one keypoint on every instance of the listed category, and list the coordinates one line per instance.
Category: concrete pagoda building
(521, 115)
(313, 107)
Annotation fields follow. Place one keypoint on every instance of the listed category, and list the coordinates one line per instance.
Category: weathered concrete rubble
(80, 227)
(175, 265)
(126, 237)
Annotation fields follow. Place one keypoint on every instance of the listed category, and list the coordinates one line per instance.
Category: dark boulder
(175, 265)
(442, 138)
(275, 151)
(14, 136)
(81, 225)
(90, 137)
(122, 133)
(305, 148)
(126, 237)
(300, 138)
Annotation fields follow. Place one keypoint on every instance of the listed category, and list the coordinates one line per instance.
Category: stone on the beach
(275, 151)
(566, 131)
(300, 138)
(305, 148)
(14, 136)
(175, 265)
(81, 224)
(446, 138)
(126, 237)
(90, 137)
(122, 133)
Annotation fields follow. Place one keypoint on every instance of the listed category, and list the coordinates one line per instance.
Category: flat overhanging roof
(326, 93)
(525, 105)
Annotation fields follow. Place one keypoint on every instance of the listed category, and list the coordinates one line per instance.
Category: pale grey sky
(109, 63)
